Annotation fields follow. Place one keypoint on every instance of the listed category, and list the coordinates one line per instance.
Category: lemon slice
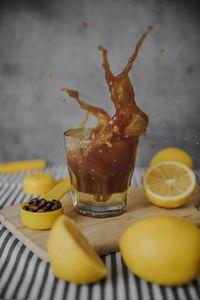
(169, 184)
(71, 256)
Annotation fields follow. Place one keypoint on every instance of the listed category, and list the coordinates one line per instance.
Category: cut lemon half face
(169, 184)
(71, 256)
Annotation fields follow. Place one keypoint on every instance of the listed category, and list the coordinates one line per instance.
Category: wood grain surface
(103, 234)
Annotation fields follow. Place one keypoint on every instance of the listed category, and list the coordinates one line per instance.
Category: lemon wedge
(169, 184)
(71, 256)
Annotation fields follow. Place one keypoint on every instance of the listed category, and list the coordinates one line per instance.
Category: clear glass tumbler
(100, 173)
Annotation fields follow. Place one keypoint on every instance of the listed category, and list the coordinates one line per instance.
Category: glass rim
(66, 135)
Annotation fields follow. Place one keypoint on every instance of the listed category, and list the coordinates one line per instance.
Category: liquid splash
(129, 120)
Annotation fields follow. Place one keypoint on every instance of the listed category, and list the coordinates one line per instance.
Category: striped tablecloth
(25, 276)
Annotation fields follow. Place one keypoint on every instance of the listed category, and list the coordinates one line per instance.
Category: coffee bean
(52, 208)
(56, 206)
(43, 209)
(42, 203)
(35, 201)
(33, 207)
(49, 204)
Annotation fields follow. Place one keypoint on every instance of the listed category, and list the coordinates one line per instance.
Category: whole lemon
(172, 154)
(162, 249)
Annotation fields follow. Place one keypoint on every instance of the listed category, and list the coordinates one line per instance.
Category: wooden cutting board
(103, 234)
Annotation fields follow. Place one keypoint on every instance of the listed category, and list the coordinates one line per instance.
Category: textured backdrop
(60, 37)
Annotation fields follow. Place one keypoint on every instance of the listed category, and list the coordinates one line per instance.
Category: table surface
(25, 276)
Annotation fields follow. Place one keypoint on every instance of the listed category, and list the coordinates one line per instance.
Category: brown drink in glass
(101, 161)
(100, 175)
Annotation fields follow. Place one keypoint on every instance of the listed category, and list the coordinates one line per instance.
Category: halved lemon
(169, 184)
(71, 256)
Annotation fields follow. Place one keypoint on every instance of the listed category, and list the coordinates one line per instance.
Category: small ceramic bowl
(39, 220)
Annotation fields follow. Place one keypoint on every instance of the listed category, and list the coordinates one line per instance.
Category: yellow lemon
(162, 249)
(71, 256)
(38, 183)
(169, 184)
(172, 154)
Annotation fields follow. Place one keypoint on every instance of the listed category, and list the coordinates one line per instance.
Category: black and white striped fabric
(25, 276)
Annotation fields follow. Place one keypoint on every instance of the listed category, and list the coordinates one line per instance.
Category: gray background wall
(42, 37)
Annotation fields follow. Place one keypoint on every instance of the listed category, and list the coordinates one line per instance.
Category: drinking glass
(100, 172)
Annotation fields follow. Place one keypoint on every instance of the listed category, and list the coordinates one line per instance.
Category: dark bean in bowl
(42, 205)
